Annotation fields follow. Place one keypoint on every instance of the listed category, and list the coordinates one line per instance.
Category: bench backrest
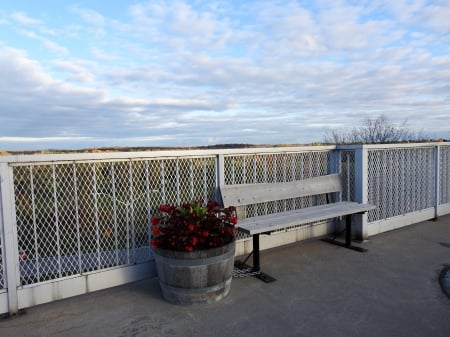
(246, 194)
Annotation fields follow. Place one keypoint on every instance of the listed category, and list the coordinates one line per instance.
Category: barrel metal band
(188, 262)
(192, 291)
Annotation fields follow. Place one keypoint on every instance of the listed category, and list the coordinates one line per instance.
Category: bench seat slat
(275, 221)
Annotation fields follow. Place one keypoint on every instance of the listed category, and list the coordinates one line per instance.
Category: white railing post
(437, 191)
(361, 229)
(9, 236)
(220, 175)
(335, 161)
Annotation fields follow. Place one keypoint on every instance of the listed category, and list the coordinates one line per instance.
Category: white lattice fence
(400, 181)
(79, 217)
(278, 167)
(2, 272)
(77, 223)
(347, 169)
(444, 175)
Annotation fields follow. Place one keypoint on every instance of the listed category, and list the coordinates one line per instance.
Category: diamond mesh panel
(400, 181)
(347, 170)
(444, 175)
(83, 216)
(277, 167)
(79, 217)
(2, 281)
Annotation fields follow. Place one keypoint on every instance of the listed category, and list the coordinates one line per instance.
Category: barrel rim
(198, 254)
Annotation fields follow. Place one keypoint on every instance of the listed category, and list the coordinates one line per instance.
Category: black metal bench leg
(348, 230)
(348, 237)
(257, 263)
(256, 260)
(256, 269)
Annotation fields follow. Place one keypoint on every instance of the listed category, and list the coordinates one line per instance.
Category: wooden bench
(329, 185)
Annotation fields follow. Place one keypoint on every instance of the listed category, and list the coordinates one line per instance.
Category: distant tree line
(377, 130)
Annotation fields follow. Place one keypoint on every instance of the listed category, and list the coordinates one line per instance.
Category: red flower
(212, 204)
(154, 220)
(164, 208)
(193, 226)
(155, 231)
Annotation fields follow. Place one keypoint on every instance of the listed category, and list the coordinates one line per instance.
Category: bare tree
(373, 131)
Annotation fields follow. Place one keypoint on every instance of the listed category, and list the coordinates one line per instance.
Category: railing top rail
(107, 156)
(392, 146)
(104, 156)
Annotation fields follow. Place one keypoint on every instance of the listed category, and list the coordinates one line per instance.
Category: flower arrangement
(193, 226)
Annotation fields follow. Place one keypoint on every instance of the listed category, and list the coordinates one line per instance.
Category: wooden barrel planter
(197, 277)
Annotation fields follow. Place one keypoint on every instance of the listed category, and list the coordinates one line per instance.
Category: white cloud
(89, 15)
(102, 55)
(50, 45)
(93, 24)
(78, 70)
(438, 17)
(41, 139)
(24, 19)
(258, 72)
(178, 25)
(15, 64)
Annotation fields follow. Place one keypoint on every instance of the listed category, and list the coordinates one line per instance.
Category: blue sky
(76, 74)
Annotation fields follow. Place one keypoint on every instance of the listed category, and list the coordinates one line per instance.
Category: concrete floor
(321, 290)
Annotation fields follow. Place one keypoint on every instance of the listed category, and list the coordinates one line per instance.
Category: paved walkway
(321, 290)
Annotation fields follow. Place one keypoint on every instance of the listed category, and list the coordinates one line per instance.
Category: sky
(78, 74)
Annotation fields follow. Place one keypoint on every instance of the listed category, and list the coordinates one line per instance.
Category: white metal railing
(408, 182)
(81, 221)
